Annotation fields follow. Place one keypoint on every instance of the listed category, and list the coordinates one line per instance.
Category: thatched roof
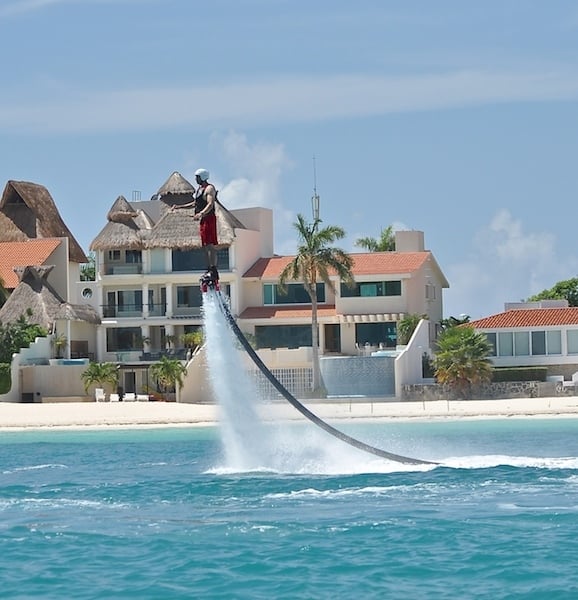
(178, 229)
(126, 228)
(134, 229)
(27, 211)
(175, 185)
(35, 294)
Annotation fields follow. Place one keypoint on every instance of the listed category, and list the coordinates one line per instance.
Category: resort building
(543, 333)
(147, 297)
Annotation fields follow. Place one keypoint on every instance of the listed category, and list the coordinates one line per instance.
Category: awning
(372, 318)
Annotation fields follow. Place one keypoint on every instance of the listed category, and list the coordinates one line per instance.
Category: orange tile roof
(23, 254)
(529, 317)
(367, 263)
(298, 311)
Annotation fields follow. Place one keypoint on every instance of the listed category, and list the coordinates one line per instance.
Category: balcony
(133, 310)
(122, 268)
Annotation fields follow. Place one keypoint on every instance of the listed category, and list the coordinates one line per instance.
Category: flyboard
(209, 285)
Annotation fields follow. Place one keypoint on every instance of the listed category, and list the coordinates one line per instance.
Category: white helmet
(202, 174)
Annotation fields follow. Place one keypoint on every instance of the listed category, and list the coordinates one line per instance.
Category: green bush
(5, 378)
(519, 374)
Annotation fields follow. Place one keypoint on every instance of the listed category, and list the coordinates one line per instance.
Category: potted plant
(59, 343)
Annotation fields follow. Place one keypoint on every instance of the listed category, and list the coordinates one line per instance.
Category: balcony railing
(154, 310)
(122, 268)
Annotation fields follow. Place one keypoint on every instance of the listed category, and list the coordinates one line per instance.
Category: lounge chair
(99, 395)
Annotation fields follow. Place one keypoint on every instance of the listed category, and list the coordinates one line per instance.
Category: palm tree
(315, 260)
(462, 359)
(406, 327)
(168, 372)
(3, 293)
(100, 374)
(385, 243)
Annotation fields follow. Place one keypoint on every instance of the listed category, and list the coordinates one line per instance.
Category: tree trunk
(316, 384)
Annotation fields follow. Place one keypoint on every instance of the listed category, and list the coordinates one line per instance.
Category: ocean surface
(252, 509)
(159, 514)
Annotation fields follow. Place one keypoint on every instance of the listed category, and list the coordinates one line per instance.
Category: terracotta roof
(23, 254)
(529, 317)
(298, 311)
(367, 263)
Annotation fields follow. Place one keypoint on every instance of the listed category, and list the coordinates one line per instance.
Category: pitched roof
(286, 312)
(366, 263)
(126, 228)
(35, 294)
(529, 317)
(23, 254)
(175, 184)
(27, 211)
(130, 227)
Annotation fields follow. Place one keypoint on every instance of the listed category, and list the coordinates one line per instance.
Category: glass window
(521, 343)
(572, 341)
(283, 336)
(374, 288)
(196, 260)
(554, 342)
(189, 296)
(538, 343)
(376, 334)
(492, 340)
(123, 339)
(505, 343)
(133, 256)
(294, 293)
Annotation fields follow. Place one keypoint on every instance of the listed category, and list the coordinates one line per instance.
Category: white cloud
(290, 99)
(506, 264)
(257, 169)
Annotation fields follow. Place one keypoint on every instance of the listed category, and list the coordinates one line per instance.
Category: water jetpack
(210, 280)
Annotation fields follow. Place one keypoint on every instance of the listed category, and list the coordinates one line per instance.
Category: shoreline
(106, 415)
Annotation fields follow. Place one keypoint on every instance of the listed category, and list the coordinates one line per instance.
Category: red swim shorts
(208, 227)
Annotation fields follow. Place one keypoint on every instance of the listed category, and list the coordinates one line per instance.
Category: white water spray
(251, 444)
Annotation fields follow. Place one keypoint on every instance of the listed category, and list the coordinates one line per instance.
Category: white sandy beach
(167, 414)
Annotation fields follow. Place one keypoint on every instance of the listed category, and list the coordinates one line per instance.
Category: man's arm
(210, 198)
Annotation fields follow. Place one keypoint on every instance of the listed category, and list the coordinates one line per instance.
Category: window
(133, 257)
(505, 343)
(294, 293)
(371, 288)
(283, 336)
(113, 255)
(376, 333)
(546, 342)
(538, 343)
(189, 296)
(196, 260)
(572, 341)
(554, 342)
(492, 339)
(522, 343)
(123, 339)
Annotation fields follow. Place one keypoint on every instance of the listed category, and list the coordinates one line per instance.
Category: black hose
(302, 409)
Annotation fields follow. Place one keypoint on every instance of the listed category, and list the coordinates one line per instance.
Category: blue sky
(456, 118)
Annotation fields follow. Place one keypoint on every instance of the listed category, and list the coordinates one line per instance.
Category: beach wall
(490, 391)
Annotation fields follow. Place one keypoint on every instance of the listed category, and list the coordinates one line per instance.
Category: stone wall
(489, 391)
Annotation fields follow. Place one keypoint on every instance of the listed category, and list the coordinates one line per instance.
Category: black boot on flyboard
(210, 280)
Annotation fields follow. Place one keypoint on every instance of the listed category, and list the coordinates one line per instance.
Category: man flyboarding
(204, 203)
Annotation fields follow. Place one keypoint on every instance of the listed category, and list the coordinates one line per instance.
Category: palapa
(126, 228)
(44, 306)
(27, 211)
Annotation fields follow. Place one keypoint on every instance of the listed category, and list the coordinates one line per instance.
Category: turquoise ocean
(252, 509)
